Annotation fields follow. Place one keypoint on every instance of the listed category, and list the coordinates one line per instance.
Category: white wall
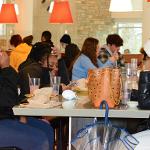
(25, 18)
(146, 22)
(40, 22)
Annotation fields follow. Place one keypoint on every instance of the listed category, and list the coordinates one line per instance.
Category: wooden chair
(128, 57)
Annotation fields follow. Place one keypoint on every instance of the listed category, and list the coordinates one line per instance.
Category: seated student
(20, 51)
(28, 40)
(37, 65)
(71, 53)
(112, 47)
(65, 40)
(12, 131)
(88, 59)
(126, 51)
(46, 37)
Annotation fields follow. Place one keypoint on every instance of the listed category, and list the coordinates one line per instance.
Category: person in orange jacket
(20, 52)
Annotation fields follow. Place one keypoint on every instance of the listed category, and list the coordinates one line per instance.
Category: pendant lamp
(8, 14)
(61, 13)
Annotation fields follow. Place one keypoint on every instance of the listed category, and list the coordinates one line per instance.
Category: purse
(105, 84)
(144, 90)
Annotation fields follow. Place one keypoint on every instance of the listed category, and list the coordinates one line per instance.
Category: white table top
(129, 113)
(83, 109)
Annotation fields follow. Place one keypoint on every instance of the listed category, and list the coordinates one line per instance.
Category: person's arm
(108, 63)
(8, 83)
(111, 62)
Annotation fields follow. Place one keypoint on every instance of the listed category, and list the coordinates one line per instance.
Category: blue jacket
(83, 64)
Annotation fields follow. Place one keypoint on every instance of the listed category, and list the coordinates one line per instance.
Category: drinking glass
(134, 63)
(34, 84)
(55, 82)
(128, 70)
(134, 66)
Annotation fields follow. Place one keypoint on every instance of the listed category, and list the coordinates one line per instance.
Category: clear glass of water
(128, 70)
(34, 84)
(55, 83)
(134, 66)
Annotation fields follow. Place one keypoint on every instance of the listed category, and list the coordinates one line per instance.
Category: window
(126, 5)
(2, 30)
(132, 36)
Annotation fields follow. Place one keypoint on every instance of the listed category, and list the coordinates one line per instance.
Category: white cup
(68, 104)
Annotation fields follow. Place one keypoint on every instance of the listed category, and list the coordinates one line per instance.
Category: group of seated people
(42, 60)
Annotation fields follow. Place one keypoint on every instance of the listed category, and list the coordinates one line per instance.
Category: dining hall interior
(74, 74)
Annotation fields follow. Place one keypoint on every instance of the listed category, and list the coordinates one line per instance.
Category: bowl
(69, 95)
(68, 104)
(132, 104)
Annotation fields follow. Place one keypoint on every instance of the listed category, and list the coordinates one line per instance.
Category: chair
(128, 57)
(61, 128)
(10, 148)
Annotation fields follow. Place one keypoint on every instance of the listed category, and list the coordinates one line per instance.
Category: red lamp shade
(61, 13)
(8, 14)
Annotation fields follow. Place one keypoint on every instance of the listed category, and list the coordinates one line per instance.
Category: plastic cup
(128, 70)
(34, 84)
(134, 65)
(55, 82)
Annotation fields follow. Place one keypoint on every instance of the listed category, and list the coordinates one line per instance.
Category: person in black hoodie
(12, 131)
(8, 87)
(46, 38)
(35, 67)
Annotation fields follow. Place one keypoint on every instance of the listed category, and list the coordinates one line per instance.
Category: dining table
(83, 108)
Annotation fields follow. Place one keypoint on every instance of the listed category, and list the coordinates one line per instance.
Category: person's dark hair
(66, 39)
(15, 40)
(114, 39)
(71, 52)
(47, 35)
(89, 49)
(28, 39)
(142, 51)
(46, 38)
(39, 51)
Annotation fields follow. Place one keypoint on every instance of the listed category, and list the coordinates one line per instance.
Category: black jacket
(8, 91)
(34, 69)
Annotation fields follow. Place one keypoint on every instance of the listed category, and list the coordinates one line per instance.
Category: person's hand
(4, 60)
(65, 87)
(114, 57)
(54, 70)
(56, 51)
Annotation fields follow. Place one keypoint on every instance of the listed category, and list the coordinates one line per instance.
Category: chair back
(128, 57)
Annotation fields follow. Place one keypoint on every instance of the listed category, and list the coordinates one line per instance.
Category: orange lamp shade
(61, 13)
(8, 14)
